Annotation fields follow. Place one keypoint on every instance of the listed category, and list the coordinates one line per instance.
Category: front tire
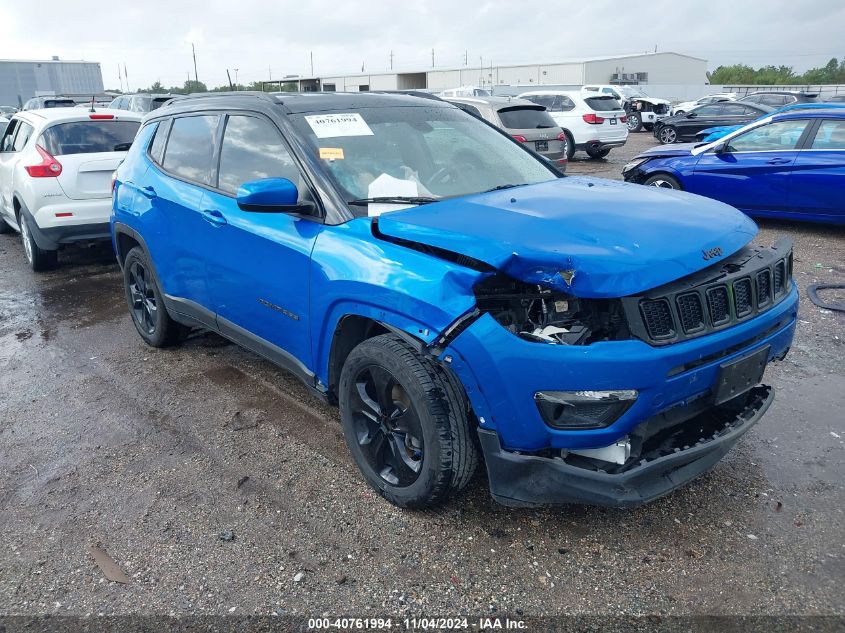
(667, 134)
(39, 259)
(146, 304)
(664, 181)
(595, 154)
(635, 122)
(404, 418)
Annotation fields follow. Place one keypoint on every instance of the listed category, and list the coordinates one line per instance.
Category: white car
(643, 111)
(686, 106)
(56, 167)
(594, 124)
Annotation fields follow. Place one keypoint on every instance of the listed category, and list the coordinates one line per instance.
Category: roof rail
(266, 96)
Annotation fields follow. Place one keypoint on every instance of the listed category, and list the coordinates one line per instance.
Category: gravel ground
(219, 486)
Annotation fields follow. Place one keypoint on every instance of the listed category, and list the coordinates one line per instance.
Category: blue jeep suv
(591, 341)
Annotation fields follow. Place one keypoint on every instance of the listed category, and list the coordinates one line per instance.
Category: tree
(737, 74)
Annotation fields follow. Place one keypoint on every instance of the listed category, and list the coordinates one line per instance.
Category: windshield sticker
(386, 186)
(331, 153)
(334, 125)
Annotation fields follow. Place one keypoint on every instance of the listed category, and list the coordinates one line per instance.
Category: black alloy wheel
(387, 426)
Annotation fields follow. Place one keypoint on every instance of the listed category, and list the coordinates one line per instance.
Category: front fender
(680, 167)
(354, 273)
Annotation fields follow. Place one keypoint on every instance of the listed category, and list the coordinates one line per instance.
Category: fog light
(583, 409)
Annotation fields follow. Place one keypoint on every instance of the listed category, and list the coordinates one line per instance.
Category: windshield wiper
(394, 200)
(500, 187)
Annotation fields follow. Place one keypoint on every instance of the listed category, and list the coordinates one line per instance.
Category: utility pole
(466, 57)
(126, 74)
(312, 63)
(432, 58)
(194, 53)
(481, 70)
(120, 77)
(391, 59)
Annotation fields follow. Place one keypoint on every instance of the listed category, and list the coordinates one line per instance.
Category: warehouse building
(640, 68)
(21, 80)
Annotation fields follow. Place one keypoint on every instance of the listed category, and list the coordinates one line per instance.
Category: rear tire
(38, 258)
(4, 227)
(635, 122)
(596, 154)
(664, 181)
(570, 145)
(146, 303)
(404, 418)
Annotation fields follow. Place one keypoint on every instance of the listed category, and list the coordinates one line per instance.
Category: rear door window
(253, 149)
(524, 118)
(24, 132)
(190, 148)
(89, 137)
(831, 135)
(602, 104)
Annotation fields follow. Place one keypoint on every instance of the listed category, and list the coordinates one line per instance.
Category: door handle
(779, 161)
(148, 192)
(213, 216)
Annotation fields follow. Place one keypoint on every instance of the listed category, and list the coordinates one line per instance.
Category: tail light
(49, 167)
(520, 138)
(593, 119)
(623, 119)
(113, 180)
(101, 117)
(561, 136)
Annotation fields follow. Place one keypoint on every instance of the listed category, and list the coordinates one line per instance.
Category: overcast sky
(276, 37)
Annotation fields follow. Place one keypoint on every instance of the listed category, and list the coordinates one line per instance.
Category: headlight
(634, 164)
(583, 409)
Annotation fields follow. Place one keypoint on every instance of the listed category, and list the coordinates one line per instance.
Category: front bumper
(529, 480)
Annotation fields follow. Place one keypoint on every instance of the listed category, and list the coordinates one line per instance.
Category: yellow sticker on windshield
(331, 153)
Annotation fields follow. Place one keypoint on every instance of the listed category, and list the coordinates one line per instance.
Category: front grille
(719, 305)
(743, 301)
(764, 287)
(690, 312)
(742, 286)
(779, 278)
(658, 318)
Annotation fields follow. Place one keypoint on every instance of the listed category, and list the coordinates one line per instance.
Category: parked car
(439, 282)
(592, 124)
(525, 121)
(778, 98)
(465, 91)
(55, 177)
(788, 165)
(642, 110)
(141, 102)
(686, 106)
(710, 134)
(835, 99)
(3, 123)
(38, 103)
(684, 127)
(7, 111)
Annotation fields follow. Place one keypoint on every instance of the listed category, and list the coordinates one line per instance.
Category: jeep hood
(589, 237)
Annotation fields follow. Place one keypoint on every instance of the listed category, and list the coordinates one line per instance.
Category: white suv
(55, 176)
(594, 124)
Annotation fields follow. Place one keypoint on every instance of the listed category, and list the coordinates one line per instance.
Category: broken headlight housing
(577, 410)
(542, 315)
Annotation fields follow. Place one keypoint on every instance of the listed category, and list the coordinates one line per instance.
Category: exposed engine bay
(546, 316)
(644, 105)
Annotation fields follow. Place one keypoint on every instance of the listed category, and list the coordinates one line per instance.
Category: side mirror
(721, 148)
(691, 115)
(271, 195)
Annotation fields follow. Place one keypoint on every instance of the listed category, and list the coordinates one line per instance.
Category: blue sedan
(789, 165)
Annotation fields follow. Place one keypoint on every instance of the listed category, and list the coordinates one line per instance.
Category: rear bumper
(88, 222)
(529, 480)
(600, 145)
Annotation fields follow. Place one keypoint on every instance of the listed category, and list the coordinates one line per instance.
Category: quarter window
(159, 140)
(781, 135)
(253, 149)
(6, 143)
(190, 149)
(831, 135)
